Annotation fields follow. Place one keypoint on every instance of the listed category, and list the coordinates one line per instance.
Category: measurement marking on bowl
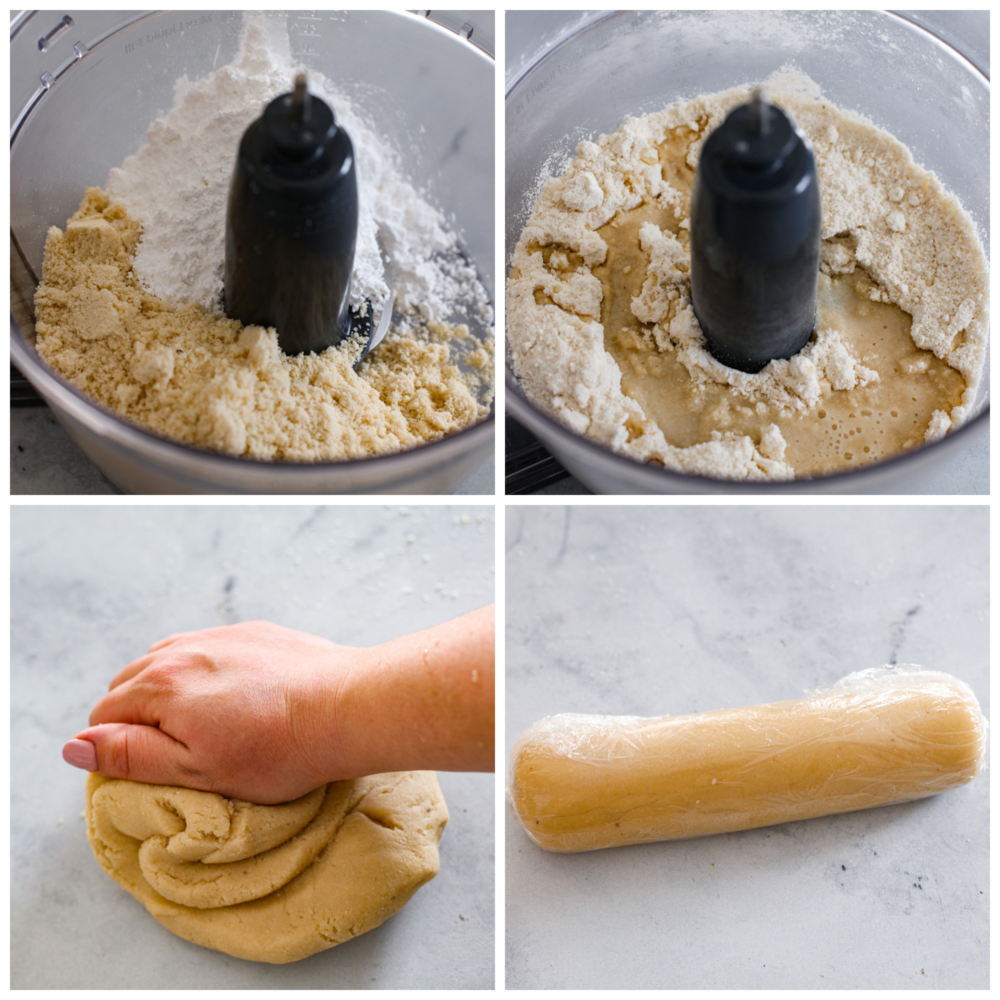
(536, 88)
(178, 28)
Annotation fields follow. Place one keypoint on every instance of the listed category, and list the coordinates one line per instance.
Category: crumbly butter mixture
(603, 336)
(208, 381)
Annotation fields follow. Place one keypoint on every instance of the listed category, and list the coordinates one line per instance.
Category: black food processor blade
(755, 237)
(292, 224)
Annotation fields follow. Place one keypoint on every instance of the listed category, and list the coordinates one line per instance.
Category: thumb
(138, 753)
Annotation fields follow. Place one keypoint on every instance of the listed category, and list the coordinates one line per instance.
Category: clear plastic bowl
(81, 101)
(899, 75)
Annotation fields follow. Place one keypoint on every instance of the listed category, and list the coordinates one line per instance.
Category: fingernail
(81, 753)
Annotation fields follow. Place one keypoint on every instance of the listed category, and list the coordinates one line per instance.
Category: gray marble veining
(92, 587)
(669, 610)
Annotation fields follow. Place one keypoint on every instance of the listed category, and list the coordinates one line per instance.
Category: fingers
(137, 666)
(138, 753)
(133, 704)
(127, 673)
(170, 639)
(81, 753)
(215, 631)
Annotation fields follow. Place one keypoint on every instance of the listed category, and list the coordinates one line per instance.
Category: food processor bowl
(620, 65)
(85, 87)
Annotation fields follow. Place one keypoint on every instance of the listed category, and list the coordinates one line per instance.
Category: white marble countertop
(669, 610)
(92, 588)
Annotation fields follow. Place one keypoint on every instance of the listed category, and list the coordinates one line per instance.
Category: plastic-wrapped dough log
(889, 734)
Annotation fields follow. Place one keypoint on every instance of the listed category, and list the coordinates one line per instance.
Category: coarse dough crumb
(602, 334)
(209, 381)
(270, 883)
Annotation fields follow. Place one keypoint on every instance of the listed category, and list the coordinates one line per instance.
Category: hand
(267, 714)
(248, 711)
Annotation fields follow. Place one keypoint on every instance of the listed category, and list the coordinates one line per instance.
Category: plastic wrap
(888, 734)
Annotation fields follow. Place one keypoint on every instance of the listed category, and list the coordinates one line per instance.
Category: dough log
(891, 734)
(270, 883)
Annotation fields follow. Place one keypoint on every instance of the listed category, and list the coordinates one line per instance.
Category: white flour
(178, 185)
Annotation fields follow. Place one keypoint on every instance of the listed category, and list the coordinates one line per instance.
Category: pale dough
(582, 782)
(270, 883)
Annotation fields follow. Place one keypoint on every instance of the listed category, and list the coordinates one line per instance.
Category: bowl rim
(535, 419)
(602, 16)
(148, 446)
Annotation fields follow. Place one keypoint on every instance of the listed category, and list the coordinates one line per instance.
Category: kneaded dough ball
(270, 883)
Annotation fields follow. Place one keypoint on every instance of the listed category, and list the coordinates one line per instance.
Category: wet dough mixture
(602, 333)
(270, 883)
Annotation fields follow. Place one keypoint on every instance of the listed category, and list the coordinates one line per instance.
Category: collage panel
(661, 834)
(756, 269)
(269, 269)
(744, 734)
(294, 781)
